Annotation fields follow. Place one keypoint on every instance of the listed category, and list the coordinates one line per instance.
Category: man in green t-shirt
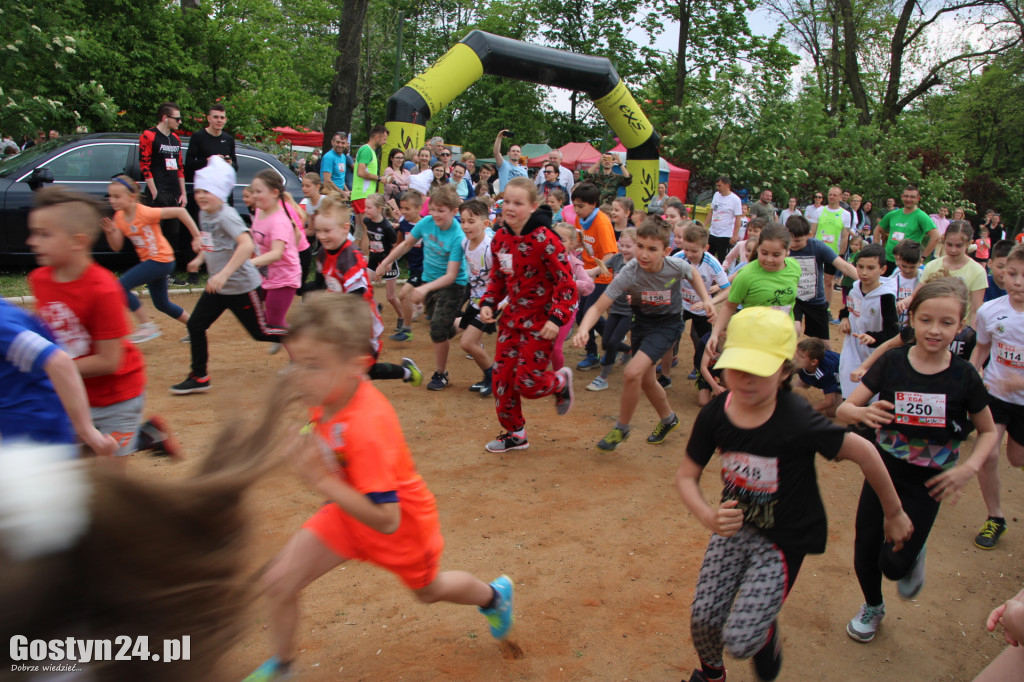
(366, 181)
(911, 223)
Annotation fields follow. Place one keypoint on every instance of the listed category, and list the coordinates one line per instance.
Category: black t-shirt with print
(382, 239)
(770, 469)
(933, 407)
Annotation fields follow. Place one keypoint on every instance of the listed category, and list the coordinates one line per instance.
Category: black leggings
(615, 329)
(247, 308)
(872, 555)
(699, 326)
(385, 370)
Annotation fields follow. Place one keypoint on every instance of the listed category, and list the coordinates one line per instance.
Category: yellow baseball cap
(758, 340)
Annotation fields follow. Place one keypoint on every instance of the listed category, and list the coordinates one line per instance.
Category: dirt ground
(603, 553)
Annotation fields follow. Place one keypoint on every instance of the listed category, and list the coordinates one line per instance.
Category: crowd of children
(899, 399)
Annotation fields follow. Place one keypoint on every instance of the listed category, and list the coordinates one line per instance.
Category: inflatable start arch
(410, 108)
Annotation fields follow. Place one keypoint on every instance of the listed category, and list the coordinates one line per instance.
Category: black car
(86, 163)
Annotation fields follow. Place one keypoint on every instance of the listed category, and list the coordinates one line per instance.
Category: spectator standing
(762, 208)
(813, 212)
(726, 210)
(508, 168)
(162, 168)
(790, 210)
(333, 165)
(367, 180)
(657, 204)
(564, 178)
(609, 175)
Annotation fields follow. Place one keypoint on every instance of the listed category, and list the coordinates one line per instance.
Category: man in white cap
(234, 280)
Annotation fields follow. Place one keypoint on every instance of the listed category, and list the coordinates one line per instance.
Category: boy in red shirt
(84, 307)
(379, 509)
(532, 270)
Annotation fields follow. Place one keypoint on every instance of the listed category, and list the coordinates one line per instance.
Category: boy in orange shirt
(379, 509)
(598, 238)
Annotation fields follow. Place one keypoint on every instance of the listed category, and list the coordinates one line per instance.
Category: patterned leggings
(743, 581)
(520, 370)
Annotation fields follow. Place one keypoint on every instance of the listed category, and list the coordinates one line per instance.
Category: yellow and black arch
(409, 109)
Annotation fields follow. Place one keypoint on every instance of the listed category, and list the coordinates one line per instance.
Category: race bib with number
(828, 238)
(656, 297)
(781, 308)
(690, 296)
(808, 284)
(171, 163)
(898, 236)
(206, 240)
(376, 247)
(505, 263)
(920, 409)
(752, 473)
(1009, 355)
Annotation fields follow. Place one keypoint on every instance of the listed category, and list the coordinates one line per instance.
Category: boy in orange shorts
(379, 509)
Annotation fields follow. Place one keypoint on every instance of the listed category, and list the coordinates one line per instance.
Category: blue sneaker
(272, 669)
(401, 335)
(589, 362)
(501, 616)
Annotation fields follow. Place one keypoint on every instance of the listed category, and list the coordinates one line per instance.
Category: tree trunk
(685, 16)
(346, 70)
(186, 5)
(851, 62)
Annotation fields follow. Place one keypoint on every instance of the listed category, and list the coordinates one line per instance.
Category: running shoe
(191, 385)
(415, 375)
(692, 376)
(507, 441)
(158, 437)
(662, 430)
(664, 381)
(438, 382)
(186, 339)
(501, 615)
(144, 332)
(565, 398)
(274, 349)
(612, 440)
(271, 670)
(589, 362)
(768, 661)
(598, 384)
(864, 625)
(399, 325)
(988, 536)
(910, 585)
(402, 335)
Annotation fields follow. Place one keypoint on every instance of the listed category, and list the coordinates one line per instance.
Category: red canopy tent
(576, 154)
(304, 137)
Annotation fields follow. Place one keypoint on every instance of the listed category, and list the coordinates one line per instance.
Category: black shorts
(829, 268)
(446, 303)
(393, 271)
(415, 278)
(654, 337)
(1009, 414)
(471, 317)
(815, 318)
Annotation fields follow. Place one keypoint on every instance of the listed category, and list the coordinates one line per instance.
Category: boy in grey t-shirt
(653, 283)
(234, 282)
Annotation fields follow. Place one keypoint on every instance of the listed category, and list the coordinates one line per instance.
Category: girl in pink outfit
(279, 239)
(584, 285)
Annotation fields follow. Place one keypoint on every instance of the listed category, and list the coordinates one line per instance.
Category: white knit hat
(217, 178)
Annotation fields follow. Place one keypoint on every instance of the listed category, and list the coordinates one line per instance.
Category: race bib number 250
(920, 409)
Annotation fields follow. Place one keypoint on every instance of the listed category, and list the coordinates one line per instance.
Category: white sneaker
(274, 349)
(864, 625)
(144, 332)
(910, 585)
(598, 384)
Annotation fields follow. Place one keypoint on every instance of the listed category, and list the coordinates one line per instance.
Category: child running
(480, 260)
(771, 280)
(234, 281)
(620, 314)
(343, 269)
(83, 305)
(928, 400)
(383, 237)
(380, 510)
(584, 285)
(409, 205)
(654, 284)
(599, 243)
(997, 269)
(771, 513)
(533, 274)
(907, 276)
(957, 264)
(278, 240)
(818, 367)
(869, 318)
(1001, 342)
(445, 274)
(141, 224)
(814, 256)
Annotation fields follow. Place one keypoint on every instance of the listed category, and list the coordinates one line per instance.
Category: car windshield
(29, 157)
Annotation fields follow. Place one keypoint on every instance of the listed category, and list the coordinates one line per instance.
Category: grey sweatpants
(742, 584)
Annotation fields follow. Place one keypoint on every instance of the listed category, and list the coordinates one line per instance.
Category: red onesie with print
(532, 270)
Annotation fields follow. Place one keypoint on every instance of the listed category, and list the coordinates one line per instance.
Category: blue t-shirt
(993, 292)
(441, 247)
(507, 170)
(812, 259)
(413, 259)
(29, 406)
(337, 165)
(826, 377)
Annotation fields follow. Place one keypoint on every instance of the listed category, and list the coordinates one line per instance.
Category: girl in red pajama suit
(532, 271)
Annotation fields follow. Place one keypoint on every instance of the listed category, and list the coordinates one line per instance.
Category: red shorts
(359, 205)
(340, 533)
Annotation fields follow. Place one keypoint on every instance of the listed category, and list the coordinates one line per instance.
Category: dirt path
(603, 553)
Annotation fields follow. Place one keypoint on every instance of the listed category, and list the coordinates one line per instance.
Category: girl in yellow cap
(771, 514)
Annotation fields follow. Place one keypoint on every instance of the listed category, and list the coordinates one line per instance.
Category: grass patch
(14, 281)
